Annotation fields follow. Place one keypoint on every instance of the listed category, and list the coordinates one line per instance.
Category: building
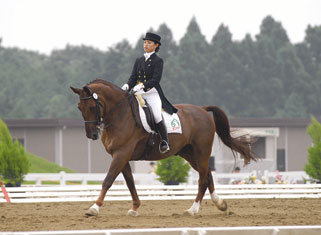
(281, 143)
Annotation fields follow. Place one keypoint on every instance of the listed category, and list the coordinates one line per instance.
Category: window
(258, 147)
(280, 160)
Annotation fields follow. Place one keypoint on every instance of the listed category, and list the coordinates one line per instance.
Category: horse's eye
(78, 107)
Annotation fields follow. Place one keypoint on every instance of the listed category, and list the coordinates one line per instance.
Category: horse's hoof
(132, 213)
(222, 205)
(92, 211)
(190, 212)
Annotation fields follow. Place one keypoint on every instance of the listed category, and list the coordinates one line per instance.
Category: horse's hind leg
(127, 173)
(220, 204)
(202, 167)
(201, 164)
(202, 186)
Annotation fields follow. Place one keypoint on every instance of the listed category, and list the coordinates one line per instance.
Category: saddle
(148, 112)
(151, 142)
(150, 116)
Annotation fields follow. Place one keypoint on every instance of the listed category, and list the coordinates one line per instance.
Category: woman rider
(145, 78)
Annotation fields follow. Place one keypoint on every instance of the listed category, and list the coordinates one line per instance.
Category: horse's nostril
(94, 136)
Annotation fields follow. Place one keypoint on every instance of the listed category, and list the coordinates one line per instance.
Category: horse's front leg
(127, 173)
(116, 166)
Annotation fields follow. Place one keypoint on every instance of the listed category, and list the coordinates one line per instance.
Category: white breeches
(153, 99)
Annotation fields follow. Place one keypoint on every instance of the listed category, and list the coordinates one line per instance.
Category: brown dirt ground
(159, 214)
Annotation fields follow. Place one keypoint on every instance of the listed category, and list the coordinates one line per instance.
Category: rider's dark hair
(157, 49)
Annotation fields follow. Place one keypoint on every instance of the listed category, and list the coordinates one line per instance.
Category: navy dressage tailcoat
(150, 73)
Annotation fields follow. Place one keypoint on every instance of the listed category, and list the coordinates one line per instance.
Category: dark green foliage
(172, 169)
(14, 163)
(313, 166)
(263, 76)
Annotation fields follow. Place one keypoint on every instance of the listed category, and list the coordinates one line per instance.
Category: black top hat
(153, 37)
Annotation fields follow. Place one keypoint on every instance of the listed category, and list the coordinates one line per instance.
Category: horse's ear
(87, 90)
(76, 90)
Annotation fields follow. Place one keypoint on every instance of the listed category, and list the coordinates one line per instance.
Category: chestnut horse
(102, 102)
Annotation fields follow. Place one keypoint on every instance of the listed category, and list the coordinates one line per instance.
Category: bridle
(94, 96)
(99, 119)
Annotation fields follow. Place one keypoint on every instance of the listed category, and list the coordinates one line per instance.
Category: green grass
(41, 165)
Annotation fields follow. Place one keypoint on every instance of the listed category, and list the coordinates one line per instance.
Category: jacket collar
(148, 55)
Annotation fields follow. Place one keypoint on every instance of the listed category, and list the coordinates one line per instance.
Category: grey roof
(234, 122)
(44, 122)
(270, 122)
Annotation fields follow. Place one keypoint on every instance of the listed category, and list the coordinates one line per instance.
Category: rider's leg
(164, 144)
(155, 102)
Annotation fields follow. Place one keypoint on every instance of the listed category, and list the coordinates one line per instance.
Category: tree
(223, 72)
(266, 76)
(192, 57)
(310, 52)
(313, 166)
(172, 170)
(169, 47)
(14, 163)
(268, 88)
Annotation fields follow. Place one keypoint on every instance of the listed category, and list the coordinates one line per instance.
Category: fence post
(62, 178)
(38, 181)
(266, 176)
(190, 178)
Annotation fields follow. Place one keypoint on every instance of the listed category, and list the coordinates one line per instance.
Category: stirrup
(164, 144)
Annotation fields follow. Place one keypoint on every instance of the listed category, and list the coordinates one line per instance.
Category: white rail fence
(158, 192)
(262, 230)
(151, 179)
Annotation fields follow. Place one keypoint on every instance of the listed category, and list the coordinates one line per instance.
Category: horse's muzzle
(93, 135)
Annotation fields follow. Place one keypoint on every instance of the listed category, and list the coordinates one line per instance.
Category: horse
(102, 102)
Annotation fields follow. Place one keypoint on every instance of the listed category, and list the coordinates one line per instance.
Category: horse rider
(145, 79)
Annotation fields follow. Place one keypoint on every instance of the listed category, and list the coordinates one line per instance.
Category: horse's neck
(117, 105)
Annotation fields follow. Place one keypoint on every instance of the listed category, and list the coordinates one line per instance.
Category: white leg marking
(132, 213)
(194, 208)
(220, 204)
(93, 210)
(216, 199)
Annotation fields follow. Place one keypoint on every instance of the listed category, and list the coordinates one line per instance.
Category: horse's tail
(240, 144)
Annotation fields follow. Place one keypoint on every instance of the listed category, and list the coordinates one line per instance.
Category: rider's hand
(125, 87)
(138, 87)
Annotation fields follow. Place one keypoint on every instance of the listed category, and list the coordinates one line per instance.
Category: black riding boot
(164, 144)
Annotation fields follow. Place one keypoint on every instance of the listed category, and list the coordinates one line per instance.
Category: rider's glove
(138, 87)
(125, 87)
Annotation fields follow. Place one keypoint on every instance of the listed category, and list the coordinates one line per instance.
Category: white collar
(147, 55)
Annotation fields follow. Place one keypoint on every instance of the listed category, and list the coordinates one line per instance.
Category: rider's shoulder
(140, 58)
(157, 58)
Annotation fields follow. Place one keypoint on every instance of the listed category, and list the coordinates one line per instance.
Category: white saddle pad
(172, 122)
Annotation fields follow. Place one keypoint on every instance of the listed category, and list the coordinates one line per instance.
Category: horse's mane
(104, 82)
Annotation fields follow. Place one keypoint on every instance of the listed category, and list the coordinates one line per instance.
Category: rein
(99, 120)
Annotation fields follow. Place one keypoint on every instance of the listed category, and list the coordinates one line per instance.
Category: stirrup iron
(163, 143)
